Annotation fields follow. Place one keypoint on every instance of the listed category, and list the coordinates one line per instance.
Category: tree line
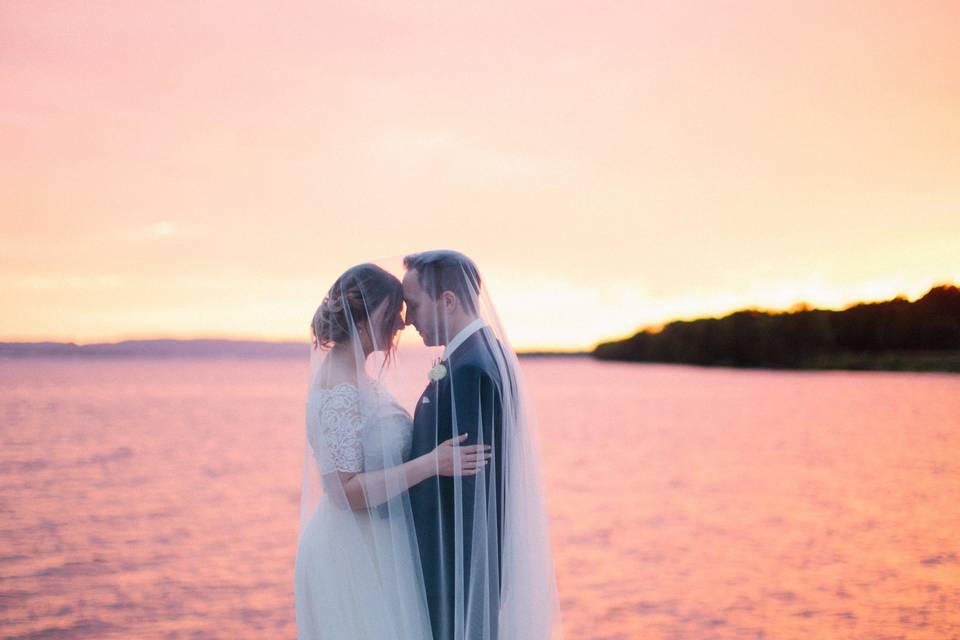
(860, 336)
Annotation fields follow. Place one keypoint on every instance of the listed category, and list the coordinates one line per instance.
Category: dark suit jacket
(451, 511)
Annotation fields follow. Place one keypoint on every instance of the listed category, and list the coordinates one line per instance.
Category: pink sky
(207, 169)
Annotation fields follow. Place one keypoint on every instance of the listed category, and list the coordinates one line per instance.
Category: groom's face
(422, 310)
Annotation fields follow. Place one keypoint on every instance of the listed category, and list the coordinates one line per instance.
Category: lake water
(159, 499)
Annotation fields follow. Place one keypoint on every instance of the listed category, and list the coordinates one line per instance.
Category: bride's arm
(369, 489)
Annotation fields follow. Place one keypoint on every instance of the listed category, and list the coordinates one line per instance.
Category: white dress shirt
(462, 336)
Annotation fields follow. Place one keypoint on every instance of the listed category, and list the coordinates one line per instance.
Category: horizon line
(287, 339)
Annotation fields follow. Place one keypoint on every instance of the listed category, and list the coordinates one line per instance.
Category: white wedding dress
(356, 574)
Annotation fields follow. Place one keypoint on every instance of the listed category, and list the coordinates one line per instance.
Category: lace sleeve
(335, 438)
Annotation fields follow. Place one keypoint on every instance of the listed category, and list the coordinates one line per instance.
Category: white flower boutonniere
(437, 373)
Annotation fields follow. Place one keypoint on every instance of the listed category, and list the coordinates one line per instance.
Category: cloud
(163, 229)
(56, 283)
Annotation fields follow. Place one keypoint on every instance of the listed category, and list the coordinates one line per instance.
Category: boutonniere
(438, 372)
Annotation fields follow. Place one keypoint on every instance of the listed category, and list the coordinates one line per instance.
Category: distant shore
(916, 362)
(198, 348)
(162, 348)
(894, 335)
(946, 361)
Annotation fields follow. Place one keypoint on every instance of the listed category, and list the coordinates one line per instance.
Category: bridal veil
(453, 557)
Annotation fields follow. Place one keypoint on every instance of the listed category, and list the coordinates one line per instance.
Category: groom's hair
(443, 270)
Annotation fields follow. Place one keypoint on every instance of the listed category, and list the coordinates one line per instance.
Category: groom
(458, 520)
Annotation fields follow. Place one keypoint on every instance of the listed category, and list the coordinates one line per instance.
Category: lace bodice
(353, 431)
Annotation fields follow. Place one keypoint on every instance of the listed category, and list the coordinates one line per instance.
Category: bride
(422, 515)
(355, 574)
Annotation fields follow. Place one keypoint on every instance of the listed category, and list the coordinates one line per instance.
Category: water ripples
(159, 499)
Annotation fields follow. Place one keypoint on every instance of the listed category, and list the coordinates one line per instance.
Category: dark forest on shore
(896, 334)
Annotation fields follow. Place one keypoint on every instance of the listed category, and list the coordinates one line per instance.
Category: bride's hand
(472, 458)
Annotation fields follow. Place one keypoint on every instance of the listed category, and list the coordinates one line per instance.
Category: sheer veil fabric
(422, 510)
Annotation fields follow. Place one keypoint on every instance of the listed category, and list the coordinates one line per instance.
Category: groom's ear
(449, 301)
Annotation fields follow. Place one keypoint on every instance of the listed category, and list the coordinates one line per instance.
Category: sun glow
(608, 170)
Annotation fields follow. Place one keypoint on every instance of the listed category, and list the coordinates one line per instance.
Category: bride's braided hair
(359, 291)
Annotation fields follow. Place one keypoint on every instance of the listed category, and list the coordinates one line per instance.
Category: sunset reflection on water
(159, 498)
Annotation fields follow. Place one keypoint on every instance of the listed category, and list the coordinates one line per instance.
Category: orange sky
(207, 169)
